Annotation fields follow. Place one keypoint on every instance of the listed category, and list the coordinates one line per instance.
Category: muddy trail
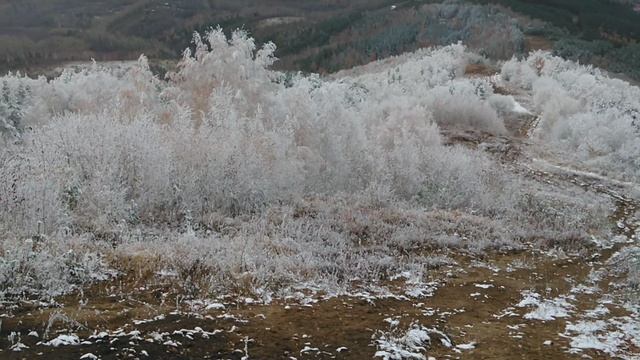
(531, 303)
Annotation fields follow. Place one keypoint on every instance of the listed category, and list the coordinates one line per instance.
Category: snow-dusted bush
(48, 267)
(627, 262)
(275, 251)
(224, 160)
(564, 218)
(593, 118)
(412, 343)
(114, 146)
(463, 104)
(414, 80)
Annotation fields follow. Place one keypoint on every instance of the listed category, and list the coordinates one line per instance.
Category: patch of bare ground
(479, 70)
(474, 303)
(533, 43)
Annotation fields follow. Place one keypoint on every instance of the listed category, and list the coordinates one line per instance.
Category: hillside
(416, 180)
(424, 205)
(318, 36)
(34, 33)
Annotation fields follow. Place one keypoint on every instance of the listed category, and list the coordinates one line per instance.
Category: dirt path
(475, 302)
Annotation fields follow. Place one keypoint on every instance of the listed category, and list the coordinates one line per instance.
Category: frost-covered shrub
(464, 108)
(502, 104)
(591, 117)
(609, 141)
(118, 146)
(249, 179)
(627, 262)
(564, 219)
(513, 72)
(461, 180)
(422, 69)
(330, 246)
(398, 344)
(414, 81)
(47, 267)
(552, 102)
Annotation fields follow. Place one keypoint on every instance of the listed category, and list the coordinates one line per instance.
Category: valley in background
(317, 36)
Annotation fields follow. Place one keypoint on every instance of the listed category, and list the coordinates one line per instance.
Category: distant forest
(318, 36)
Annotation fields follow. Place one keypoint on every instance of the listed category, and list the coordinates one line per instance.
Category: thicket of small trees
(256, 177)
(590, 117)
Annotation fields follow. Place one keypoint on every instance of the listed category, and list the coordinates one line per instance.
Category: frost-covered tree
(13, 98)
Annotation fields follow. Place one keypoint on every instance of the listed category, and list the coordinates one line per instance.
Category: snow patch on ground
(70, 339)
(519, 109)
(615, 336)
(411, 343)
(469, 346)
(144, 321)
(419, 289)
(609, 243)
(18, 347)
(545, 309)
(593, 335)
(394, 345)
(484, 286)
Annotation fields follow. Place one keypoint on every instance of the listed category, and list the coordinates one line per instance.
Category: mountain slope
(320, 36)
(420, 205)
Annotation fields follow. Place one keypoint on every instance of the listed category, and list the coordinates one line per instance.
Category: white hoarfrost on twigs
(395, 345)
(231, 175)
(592, 118)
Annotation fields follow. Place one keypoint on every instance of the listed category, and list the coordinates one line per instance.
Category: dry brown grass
(479, 70)
(534, 43)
